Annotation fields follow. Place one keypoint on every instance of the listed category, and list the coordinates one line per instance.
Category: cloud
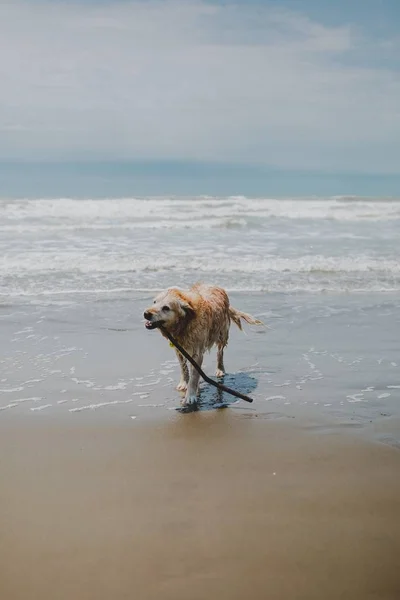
(191, 80)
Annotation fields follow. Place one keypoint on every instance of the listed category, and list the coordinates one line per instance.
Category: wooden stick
(220, 386)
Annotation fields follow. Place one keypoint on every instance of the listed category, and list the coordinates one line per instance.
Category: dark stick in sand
(220, 386)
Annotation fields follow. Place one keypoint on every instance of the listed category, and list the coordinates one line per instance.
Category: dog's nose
(147, 315)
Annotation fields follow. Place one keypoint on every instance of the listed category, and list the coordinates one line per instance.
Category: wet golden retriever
(198, 319)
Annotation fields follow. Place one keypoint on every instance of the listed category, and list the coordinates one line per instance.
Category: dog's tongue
(148, 324)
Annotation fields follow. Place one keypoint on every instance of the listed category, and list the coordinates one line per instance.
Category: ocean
(322, 273)
(60, 248)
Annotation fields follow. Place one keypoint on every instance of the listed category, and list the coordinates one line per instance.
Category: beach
(206, 505)
(148, 147)
(109, 490)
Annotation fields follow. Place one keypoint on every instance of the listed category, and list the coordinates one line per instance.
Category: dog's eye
(165, 308)
(154, 301)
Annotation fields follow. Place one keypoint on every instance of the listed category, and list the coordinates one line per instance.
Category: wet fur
(198, 319)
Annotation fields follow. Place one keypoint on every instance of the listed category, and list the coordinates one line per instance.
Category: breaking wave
(67, 213)
(73, 246)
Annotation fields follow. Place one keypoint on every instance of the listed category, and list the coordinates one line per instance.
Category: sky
(249, 96)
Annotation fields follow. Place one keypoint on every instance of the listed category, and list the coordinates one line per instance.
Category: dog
(198, 319)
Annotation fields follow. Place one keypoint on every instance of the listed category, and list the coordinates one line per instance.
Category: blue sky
(295, 96)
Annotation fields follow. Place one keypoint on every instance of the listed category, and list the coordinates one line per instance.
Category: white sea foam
(69, 246)
(95, 406)
(92, 213)
(79, 263)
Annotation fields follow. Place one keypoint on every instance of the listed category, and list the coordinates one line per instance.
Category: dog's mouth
(153, 324)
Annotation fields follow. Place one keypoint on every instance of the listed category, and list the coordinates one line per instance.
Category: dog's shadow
(211, 398)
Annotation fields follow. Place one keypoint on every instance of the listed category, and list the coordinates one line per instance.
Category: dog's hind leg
(222, 342)
(184, 380)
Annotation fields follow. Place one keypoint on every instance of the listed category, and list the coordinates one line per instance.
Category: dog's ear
(187, 308)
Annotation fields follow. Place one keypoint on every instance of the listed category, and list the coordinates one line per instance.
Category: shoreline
(332, 361)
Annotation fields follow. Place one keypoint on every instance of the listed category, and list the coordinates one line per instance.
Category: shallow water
(324, 357)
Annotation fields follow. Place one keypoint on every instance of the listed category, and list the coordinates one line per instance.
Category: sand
(199, 506)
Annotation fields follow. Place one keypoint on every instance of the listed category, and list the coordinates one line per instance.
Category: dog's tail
(237, 315)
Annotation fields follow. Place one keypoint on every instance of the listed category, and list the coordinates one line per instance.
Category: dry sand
(207, 505)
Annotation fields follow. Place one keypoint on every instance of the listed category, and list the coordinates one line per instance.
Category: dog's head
(169, 309)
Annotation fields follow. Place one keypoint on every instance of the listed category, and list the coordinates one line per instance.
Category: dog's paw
(182, 386)
(189, 399)
(219, 373)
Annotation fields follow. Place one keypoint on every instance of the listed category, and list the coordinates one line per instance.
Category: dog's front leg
(184, 380)
(220, 372)
(191, 393)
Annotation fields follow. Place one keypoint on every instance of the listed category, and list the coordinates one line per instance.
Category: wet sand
(206, 505)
